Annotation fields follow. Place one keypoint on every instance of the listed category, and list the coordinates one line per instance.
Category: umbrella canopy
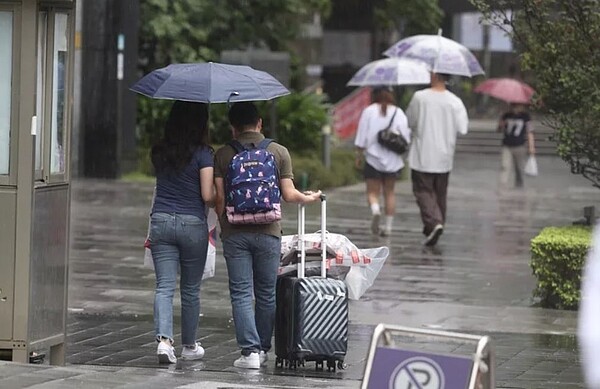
(443, 55)
(506, 89)
(392, 71)
(209, 83)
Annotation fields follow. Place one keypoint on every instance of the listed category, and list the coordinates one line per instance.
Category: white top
(436, 118)
(371, 122)
(589, 314)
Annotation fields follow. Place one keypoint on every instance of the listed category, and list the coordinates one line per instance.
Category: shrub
(341, 173)
(301, 117)
(558, 256)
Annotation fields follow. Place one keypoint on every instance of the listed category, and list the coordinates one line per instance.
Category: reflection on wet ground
(522, 360)
(477, 279)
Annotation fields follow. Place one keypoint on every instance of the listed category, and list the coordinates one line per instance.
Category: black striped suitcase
(312, 314)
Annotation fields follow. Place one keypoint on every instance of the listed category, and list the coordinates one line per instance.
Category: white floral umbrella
(392, 71)
(443, 55)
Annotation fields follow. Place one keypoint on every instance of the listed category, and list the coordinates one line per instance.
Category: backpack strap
(264, 143)
(237, 146)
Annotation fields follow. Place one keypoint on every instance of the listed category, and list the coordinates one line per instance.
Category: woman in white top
(382, 166)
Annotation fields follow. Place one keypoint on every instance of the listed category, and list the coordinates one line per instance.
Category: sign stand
(394, 366)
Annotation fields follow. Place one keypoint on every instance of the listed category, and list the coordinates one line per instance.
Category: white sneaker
(190, 354)
(166, 353)
(263, 357)
(251, 361)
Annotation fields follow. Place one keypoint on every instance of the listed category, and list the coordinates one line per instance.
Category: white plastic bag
(361, 278)
(531, 167)
(363, 264)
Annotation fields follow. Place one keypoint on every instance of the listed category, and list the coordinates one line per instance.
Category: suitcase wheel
(341, 365)
(331, 365)
(319, 365)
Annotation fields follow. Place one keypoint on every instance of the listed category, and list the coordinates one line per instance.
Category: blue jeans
(252, 264)
(178, 241)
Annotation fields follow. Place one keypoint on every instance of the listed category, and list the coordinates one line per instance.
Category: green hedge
(558, 256)
(342, 170)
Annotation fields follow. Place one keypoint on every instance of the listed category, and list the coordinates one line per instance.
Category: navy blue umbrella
(209, 83)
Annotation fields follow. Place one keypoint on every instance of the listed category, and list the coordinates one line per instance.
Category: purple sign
(405, 369)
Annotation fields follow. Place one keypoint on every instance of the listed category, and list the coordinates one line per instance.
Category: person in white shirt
(436, 117)
(589, 315)
(381, 166)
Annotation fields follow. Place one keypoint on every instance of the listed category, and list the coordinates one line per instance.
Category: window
(40, 90)
(6, 60)
(59, 82)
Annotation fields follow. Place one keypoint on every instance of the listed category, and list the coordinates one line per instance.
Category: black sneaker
(433, 237)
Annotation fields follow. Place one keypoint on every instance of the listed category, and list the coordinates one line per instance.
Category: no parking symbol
(417, 373)
(393, 368)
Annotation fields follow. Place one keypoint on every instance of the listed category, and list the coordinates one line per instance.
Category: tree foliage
(558, 41)
(410, 17)
(199, 30)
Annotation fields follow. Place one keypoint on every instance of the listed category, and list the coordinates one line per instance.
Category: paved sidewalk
(477, 281)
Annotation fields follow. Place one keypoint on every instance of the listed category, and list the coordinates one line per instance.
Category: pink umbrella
(507, 89)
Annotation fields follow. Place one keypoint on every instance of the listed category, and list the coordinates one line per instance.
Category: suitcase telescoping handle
(302, 232)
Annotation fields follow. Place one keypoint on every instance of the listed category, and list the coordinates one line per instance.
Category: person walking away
(436, 116)
(516, 127)
(381, 165)
(183, 162)
(252, 240)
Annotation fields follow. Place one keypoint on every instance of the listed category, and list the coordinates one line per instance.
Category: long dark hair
(185, 131)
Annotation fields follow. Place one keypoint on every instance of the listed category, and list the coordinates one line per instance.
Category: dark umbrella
(210, 82)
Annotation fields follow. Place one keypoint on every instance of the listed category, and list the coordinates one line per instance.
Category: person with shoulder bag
(381, 138)
(252, 174)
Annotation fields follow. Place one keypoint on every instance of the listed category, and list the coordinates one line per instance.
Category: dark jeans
(252, 263)
(430, 190)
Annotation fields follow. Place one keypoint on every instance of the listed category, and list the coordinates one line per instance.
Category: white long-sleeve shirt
(435, 118)
(371, 122)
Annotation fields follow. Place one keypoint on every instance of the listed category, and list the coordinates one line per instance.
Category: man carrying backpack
(252, 174)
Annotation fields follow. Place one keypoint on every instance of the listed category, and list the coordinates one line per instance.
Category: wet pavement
(477, 280)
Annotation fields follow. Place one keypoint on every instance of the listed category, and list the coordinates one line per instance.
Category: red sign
(347, 112)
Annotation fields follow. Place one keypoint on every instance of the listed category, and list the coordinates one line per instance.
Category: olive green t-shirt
(223, 158)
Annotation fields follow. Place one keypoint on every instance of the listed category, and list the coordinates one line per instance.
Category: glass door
(6, 92)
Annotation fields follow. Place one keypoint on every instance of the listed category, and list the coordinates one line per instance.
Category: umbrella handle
(437, 58)
(229, 104)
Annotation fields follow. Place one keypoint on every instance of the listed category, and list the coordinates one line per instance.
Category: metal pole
(487, 63)
(120, 76)
(326, 136)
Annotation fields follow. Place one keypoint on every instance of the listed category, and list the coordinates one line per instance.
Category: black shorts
(371, 173)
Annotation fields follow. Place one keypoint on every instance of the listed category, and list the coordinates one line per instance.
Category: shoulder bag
(391, 140)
